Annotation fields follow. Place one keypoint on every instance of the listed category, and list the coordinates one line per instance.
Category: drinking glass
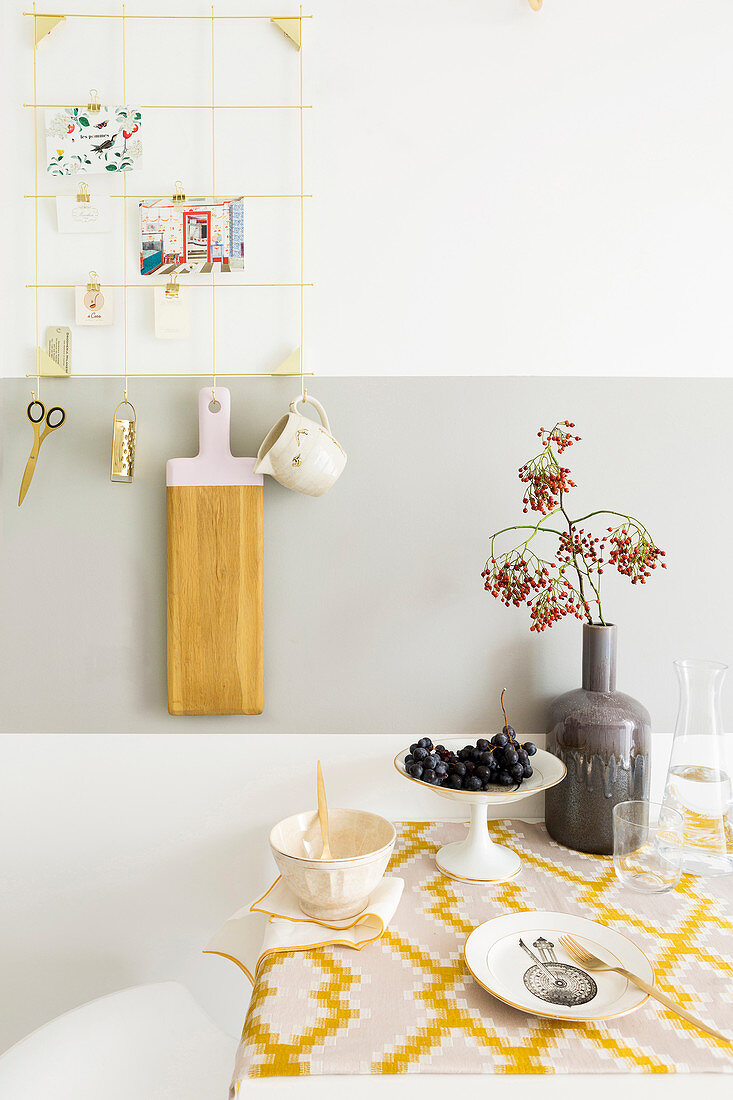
(647, 846)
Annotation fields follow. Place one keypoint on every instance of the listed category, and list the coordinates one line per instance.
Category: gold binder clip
(93, 105)
(171, 287)
(93, 284)
(179, 196)
(82, 195)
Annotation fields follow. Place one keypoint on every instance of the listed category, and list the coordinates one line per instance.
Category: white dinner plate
(497, 960)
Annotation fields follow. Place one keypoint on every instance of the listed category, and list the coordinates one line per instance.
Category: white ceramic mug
(300, 453)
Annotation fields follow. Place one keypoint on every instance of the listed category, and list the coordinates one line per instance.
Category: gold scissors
(36, 413)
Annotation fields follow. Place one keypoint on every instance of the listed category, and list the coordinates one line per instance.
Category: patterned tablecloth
(407, 1003)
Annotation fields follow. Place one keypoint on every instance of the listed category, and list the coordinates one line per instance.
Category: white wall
(497, 191)
(120, 856)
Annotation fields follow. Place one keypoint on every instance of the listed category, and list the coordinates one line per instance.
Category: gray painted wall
(375, 615)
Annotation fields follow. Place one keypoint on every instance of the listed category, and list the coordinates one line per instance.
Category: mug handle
(308, 400)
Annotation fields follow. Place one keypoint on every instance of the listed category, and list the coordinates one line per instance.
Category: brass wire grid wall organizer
(291, 26)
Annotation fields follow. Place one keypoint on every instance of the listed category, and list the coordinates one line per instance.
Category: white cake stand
(478, 858)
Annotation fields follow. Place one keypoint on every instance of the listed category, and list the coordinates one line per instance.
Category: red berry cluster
(512, 579)
(517, 579)
(545, 478)
(634, 553)
(554, 603)
(520, 576)
(559, 436)
(577, 543)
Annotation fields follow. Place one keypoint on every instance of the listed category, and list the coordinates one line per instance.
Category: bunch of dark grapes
(500, 762)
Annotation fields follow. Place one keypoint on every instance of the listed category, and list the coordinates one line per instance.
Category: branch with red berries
(569, 582)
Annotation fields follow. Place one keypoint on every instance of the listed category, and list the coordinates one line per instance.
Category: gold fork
(588, 961)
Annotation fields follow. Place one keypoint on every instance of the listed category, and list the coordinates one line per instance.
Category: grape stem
(506, 720)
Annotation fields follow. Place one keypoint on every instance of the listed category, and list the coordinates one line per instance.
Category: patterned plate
(519, 959)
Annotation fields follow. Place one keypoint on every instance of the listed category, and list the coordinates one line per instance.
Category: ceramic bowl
(337, 888)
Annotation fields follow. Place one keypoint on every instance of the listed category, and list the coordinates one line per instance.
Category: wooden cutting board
(215, 574)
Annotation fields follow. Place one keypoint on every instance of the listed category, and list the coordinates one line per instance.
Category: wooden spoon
(323, 814)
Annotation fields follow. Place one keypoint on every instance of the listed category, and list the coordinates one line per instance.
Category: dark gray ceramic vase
(604, 738)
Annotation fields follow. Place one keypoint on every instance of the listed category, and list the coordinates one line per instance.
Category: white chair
(151, 1042)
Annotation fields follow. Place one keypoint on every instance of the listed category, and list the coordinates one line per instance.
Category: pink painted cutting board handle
(214, 464)
(215, 427)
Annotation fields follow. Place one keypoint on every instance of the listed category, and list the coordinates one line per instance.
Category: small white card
(92, 216)
(171, 314)
(94, 307)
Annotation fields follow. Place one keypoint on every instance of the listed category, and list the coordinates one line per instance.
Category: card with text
(89, 215)
(80, 140)
(94, 307)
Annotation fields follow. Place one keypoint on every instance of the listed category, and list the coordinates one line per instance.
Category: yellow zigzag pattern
(675, 945)
(411, 843)
(292, 1059)
(439, 996)
(523, 1058)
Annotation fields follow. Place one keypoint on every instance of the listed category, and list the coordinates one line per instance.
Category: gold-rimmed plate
(519, 959)
(547, 769)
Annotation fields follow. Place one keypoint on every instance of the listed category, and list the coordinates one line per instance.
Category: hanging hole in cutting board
(214, 406)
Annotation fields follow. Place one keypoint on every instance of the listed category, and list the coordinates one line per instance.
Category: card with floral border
(80, 140)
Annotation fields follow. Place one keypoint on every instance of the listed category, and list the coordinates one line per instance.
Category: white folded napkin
(289, 929)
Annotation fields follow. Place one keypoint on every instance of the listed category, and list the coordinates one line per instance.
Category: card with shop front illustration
(191, 236)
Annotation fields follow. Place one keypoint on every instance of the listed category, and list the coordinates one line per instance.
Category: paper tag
(58, 349)
(94, 307)
(94, 216)
(171, 314)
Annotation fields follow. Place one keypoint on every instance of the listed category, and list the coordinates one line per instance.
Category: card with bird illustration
(106, 140)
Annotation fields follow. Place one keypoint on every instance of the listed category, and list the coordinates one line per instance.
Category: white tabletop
(649, 1086)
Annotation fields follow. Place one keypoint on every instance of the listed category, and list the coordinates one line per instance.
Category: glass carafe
(698, 780)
